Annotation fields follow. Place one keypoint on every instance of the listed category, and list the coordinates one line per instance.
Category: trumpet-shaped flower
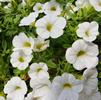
(28, 20)
(66, 87)
(14, 96)
(82, 55)
(20, 60)
(50, 26)
(38, 70)
(88, 31)
(40, 44)
(41, 90)
(24, 43)
(38, 83)
(43, 93)
(52, 7)
(38, 8)
(15, 86)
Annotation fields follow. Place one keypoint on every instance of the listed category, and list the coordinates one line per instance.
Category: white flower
(24, 43)
(2, 98)
(38, 70)
(20, 60)
(88, 31)
(67, 87)
(52, 7)
(82, 55)
(82, 3)
(96, 4)
(90, 81)
(43, 93)
(29, 19)
(15, 86)
(94, 96)
(70, 10)
(40, 44)
(14, 96)
(41, 90)
(50, 26)
(38, 83)
(38, 8)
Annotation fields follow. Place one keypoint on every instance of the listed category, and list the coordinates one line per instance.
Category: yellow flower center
(39, 8)
(39, 46)
(53, 8)
(17, 88)
(80, 53)
(27, 44)
(87, 33)
(49, 27)
(67, 86)
(36, 98)
(21, 59)
(39, 69)
(99, 3)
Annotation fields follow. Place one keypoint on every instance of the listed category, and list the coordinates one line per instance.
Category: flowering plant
(50, 50)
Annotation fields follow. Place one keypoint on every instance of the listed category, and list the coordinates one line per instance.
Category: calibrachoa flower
(40, 44)
(38, 8)
(24, 43)
(50, 26)
(38, 70)
(88, 31)
(82, 55)
(15, 87)
(47, 21)
(43, 93)
(82, 3)
(28, 20)
(67, 87)
(90, 81)
(96, 4)
(36, 83)
(20, 60)
(41, 90)
(52, 7)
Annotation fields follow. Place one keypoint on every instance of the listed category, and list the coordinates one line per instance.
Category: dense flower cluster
(83, 55)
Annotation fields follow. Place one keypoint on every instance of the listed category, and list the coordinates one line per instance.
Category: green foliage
(54, 56)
